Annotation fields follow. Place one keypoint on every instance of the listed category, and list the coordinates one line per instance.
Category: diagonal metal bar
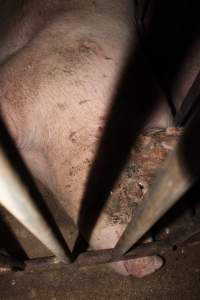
(182, 237)
(189, 103)
(15, 197)
(186, 236)
(175, 177)
(170, 185)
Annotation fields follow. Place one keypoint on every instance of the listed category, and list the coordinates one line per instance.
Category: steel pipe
(15, 197)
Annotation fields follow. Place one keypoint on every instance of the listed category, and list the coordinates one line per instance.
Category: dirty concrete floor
(179, 279)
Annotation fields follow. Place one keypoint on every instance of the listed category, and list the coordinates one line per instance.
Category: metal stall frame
(173, 180)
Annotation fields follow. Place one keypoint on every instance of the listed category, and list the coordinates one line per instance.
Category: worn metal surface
(175, 177)
(183, 237)
(189, 103)
(14, 196)
(180, 238)
(172, 181)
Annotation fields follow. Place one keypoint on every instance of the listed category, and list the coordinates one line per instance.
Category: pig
(60, 65)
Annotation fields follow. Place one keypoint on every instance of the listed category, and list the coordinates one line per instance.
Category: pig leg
(55, 94)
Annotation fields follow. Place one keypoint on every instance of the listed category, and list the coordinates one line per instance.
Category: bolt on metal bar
(14, 196)
(175, 177)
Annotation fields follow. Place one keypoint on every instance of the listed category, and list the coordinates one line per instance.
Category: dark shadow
(8, 11)
(135, 100)
(133, 103)
(19, 166)
(8, 241)
(169, 32)
(190, 145)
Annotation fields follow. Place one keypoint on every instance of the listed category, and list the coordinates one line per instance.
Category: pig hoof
(139, 267)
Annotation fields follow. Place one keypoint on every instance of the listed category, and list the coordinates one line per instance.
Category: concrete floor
(178, 279)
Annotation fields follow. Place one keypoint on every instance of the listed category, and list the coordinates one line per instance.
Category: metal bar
(189, 102)
(181, 237)
(15, 197)
(188, 236)
(175, 177)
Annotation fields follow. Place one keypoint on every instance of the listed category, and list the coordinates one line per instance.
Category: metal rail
(15, 197)
(188, 236)
(182, 237)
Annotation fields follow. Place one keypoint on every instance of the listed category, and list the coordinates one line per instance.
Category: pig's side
(55, 95)
(21, 20)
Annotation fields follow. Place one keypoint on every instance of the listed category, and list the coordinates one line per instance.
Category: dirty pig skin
(60, 64)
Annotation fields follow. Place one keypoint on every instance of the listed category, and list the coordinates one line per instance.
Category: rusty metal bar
(14, 196)
(188, 236)
(182, 237)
